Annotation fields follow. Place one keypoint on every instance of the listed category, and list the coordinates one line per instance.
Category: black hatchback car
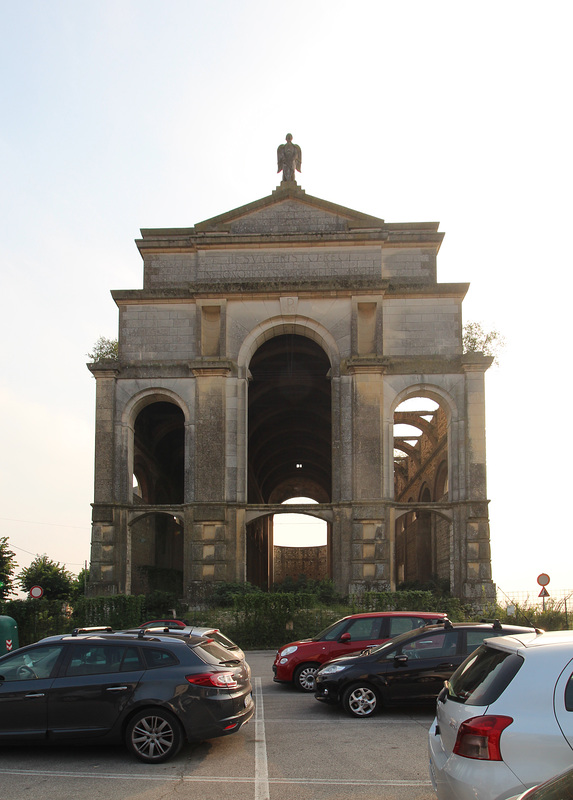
(152, 692)
(411, 668)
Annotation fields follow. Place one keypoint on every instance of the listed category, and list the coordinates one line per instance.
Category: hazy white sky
(122, 114)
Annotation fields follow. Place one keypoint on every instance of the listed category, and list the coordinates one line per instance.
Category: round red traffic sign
(543, 579)
(36, 592)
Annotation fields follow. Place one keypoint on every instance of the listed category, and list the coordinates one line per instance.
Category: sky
(126, 114)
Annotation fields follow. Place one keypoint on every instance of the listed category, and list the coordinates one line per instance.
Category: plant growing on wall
(475, 339)
(104, 349)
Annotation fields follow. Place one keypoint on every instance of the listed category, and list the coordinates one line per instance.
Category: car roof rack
(495, 623)
(79, 631)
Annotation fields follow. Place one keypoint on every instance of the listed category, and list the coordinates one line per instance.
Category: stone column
(476, 583)
(211, 539)
(107, 563)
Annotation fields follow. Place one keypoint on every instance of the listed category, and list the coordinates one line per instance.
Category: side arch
(146, 397)
(424, 532)
(137, 460)
(451, 405)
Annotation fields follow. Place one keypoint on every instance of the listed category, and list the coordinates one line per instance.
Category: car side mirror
(401, 660)
(346, 637)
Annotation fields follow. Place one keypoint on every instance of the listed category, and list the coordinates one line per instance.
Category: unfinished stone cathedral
(290, 348)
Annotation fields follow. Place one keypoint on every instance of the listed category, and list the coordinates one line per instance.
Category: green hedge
(257, 620)
(411, 600)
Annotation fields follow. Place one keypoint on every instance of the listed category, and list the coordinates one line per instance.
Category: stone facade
(264, 359)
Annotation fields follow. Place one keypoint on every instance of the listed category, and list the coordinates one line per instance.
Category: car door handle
(35, 694)
(445, 665)
(116, 689)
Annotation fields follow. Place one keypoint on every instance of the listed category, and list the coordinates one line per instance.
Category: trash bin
(8, 635)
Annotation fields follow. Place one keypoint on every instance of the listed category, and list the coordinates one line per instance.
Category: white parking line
(261, 767)
(44, 773)
(342, 721)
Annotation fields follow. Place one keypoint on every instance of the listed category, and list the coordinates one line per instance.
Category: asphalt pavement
(294, 748)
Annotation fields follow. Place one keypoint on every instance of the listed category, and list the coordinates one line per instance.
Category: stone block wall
(290, 562)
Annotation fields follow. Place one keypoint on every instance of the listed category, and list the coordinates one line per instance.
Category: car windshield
(332, 632)
(483, 676)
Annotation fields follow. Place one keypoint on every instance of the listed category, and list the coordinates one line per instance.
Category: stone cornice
(356, 365)
(324, 287)
(476, 362)
(189, 241)
(106, 368)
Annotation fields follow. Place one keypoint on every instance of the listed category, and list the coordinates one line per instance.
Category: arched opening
(421, 477)
(300, 545)
(157, 554)
(159, 451)
(289, 439)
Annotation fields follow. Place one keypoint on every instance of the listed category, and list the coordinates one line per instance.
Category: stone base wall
(290, 562)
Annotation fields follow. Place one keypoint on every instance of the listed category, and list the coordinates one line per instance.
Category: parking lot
(293, 749)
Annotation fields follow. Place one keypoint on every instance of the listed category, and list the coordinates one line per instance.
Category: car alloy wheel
(360, 701)
(154, 736)
(304, 677)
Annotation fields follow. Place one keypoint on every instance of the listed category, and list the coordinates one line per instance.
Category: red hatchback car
(298, 662)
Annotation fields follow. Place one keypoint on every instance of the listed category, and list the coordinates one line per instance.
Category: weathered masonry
(268, 356)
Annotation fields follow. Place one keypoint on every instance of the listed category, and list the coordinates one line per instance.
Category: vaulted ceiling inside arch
(289, 421)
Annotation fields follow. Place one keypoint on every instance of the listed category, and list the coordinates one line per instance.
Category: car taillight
(222, 680)
(478, 737)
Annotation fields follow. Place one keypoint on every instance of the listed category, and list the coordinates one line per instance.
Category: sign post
(543, 580)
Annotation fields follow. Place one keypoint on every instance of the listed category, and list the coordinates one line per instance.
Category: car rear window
(213, 653)
(483, 676)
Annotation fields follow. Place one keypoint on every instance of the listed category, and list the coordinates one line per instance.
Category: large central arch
(289, 435)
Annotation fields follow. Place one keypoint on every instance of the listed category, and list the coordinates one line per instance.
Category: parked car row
(504, 696)
(504, 707)
(298, 662)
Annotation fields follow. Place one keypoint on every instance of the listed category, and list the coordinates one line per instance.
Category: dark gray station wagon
(152, 692)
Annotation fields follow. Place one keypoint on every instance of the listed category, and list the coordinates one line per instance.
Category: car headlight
(332, 669)
(288, 651)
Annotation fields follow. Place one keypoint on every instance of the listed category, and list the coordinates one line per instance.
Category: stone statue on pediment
(289, 159)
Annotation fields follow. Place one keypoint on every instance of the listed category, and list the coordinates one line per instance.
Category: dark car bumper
(224, 725)
(327, 691)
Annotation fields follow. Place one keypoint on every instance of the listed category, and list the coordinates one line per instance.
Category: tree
(477, 340)
(79, 584)
(56, 581)
(7, 568)
(104, 348)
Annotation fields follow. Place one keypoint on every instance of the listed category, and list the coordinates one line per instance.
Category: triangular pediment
(290, 210)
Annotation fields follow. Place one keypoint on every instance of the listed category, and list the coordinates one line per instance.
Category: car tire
(154, 735)
(304, 677)
(361, 700)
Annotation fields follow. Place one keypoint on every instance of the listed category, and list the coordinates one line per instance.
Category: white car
(504, 721)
